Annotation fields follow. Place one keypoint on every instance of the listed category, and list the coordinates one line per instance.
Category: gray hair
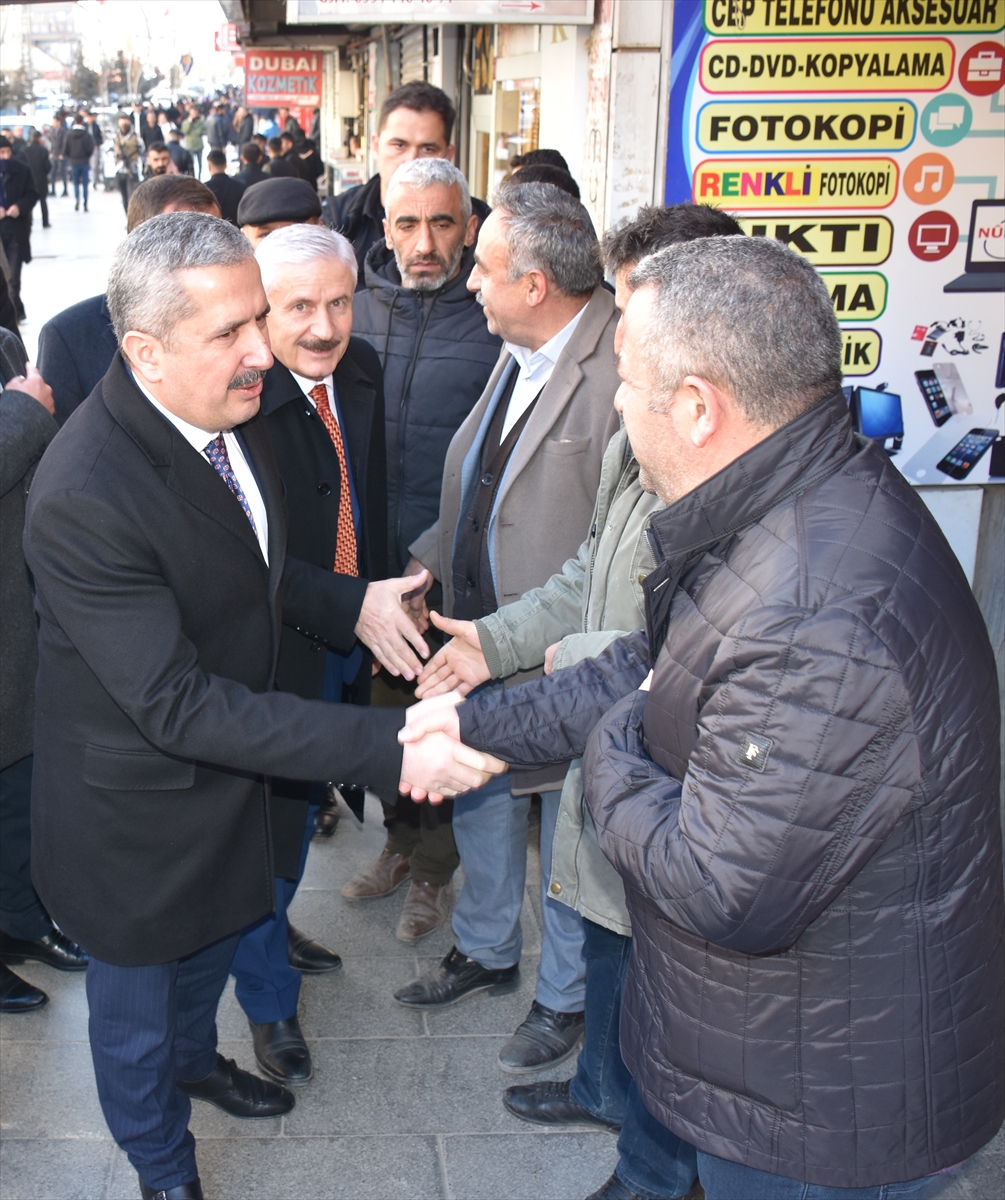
(296, 245)
(748, 315)
(428, 172)
(144, 291)
(547, 230)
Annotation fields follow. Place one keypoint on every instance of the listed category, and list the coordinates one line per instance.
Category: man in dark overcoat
(156, 535)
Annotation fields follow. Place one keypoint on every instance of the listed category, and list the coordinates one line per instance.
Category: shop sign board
(869, 137)
(746, 18)
(282, 77)
(436, 12)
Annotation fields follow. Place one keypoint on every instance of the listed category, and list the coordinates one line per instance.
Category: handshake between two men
(435, 763)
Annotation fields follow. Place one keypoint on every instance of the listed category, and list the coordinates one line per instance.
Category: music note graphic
(935, 173)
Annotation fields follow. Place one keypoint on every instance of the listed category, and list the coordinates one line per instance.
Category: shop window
(517, 124)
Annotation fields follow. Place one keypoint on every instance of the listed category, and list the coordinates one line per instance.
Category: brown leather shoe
(427, 907)
(380, 878)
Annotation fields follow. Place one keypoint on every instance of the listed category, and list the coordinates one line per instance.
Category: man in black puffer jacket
(794, 769)
(431, 335)
(437, 355)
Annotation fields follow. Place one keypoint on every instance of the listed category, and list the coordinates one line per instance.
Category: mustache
(423, 260)
(320, 345)
(245, 379)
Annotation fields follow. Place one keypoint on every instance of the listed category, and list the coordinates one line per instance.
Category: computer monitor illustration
(985, 250)
(933, 238)
(878, 415)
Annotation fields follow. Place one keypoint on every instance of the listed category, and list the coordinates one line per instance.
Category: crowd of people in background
(207, 139)
(597, 505)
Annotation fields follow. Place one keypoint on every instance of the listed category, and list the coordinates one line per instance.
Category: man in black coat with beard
(437, 354)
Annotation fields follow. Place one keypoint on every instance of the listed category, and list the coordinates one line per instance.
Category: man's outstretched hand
(385, 624)
(459, 666)
(435, 763)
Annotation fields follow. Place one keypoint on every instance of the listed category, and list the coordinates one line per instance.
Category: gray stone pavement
(403, 1104)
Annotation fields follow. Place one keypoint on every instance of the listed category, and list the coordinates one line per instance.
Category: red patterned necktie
(346, 556)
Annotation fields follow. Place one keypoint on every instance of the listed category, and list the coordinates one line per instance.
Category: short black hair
(251, 152)
(217, 158)
(421, 97)
(259, 137)
(287, 137)
(544, 173)
(156, 147)
(275, 144)
(653, 228)
(540, 158)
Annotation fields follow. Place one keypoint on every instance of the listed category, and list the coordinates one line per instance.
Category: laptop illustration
(985, 250)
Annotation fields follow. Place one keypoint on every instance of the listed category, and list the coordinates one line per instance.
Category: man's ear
(471, 230)
(449, 156)
(704, 404)
(387, 235)
(145, 354)
(535, 287)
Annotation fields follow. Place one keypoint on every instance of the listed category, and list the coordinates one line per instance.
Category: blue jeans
(81, 174)
(149, 1027)
(600, 1084)
(724, 1180)
(490, 829)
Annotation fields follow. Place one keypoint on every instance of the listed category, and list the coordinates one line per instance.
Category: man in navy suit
(156, 536)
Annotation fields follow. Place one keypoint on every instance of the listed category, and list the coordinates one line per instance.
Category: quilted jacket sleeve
(548, 720)
(747, 859)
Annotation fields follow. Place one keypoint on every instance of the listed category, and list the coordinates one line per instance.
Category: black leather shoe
(355, 798)
(17, 994)
(551, 1104)
(545, 1037)
(282, 1052)
(55, 950)
(184, 1191)
(239, 1092)
(326, 818)
(456, 977)
(310, 956)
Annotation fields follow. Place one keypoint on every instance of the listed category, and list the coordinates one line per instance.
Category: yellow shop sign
(857, 295)
(796, 183)
(827, 65)
(800, 125)
(736, 18)
(861, 350)
(830, 241)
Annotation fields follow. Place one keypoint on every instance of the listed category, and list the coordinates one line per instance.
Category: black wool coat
(321, 608)
(157, 717)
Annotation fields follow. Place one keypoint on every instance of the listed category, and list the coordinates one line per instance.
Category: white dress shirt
(534, 369)
(199, 439)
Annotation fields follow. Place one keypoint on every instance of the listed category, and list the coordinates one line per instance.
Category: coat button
(471, 581)
(474, 524)
(642, 578)
(324, 489)
(487, 478)
(555, 889)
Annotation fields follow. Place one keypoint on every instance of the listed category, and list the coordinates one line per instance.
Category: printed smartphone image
(935, 397)
(965, 455)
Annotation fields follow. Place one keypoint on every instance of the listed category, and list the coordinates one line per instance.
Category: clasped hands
(435, 762)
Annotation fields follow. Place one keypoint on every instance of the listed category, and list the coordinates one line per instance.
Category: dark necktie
(217, 454)
(346, 556)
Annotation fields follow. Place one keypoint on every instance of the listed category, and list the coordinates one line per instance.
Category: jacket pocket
(567, 445)
(135, 770)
